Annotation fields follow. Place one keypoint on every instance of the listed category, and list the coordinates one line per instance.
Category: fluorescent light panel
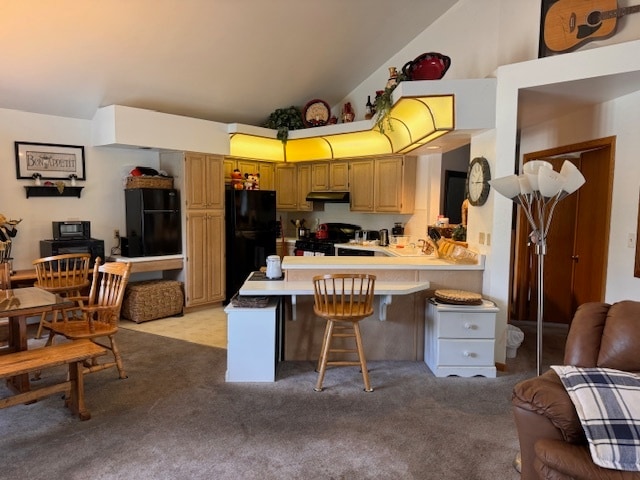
(415, 121)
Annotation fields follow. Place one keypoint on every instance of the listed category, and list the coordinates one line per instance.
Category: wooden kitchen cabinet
(200, 179)
(330, 176)
(264, 169)
(395, 184)
(361, 187)
(204, 181)
(205, 265)
(292, 183)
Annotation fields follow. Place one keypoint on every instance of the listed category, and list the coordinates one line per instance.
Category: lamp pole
(538, 191)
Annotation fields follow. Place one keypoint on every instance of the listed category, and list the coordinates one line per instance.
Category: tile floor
(206, 327)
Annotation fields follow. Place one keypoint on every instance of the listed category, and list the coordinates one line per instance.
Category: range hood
(328, 197)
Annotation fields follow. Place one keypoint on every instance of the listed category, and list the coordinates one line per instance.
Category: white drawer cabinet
(459, 340)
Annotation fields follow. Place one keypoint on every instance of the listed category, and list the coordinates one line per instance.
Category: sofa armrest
(546, 396)
(556, 459)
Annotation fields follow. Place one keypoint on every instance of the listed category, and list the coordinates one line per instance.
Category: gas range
(312, 247)
(336, 233)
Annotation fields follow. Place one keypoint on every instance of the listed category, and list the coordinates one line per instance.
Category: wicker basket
(152, 299)
(149, 182)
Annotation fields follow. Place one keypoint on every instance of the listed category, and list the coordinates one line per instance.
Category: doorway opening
(577, 242)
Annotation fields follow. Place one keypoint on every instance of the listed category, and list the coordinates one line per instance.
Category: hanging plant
(384, 101)
(283, 120)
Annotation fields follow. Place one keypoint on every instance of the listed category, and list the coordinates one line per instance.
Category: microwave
(71, 230)
(49, 248)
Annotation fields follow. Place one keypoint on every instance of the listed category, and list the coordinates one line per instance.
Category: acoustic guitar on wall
(570, 23)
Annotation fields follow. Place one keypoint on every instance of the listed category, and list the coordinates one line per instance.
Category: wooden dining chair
(100, 313)
(5, 275)
(67, 275)
(343, 299)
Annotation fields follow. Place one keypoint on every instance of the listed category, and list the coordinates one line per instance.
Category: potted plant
(283, 120)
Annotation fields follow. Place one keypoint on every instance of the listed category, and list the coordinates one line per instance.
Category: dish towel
(608, 405)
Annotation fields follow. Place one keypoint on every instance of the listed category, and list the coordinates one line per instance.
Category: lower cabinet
(205, 268)
(459, 339)
(253, 340)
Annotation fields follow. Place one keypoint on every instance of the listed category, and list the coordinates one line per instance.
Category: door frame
(523, 282)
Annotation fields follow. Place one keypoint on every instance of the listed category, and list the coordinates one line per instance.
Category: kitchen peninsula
(394, 332)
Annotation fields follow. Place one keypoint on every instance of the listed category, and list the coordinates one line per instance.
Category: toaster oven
(71, 230)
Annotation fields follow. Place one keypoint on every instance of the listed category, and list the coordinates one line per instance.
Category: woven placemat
(458, 297)
(246, 301)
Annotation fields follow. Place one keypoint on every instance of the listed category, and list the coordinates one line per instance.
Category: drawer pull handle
(469, 326)
(468, 354)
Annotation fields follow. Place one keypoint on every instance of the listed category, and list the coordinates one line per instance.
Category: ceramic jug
(274, 270)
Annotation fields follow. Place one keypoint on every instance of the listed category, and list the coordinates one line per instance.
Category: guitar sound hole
(594, 18)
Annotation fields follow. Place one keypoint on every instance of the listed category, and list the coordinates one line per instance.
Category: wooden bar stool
(343, 299)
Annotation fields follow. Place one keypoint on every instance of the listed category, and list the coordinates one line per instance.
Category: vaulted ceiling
(223, 60)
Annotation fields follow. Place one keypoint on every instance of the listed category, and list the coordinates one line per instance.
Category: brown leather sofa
(552, 442)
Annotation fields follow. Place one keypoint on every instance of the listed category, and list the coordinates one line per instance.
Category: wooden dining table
(18, 304)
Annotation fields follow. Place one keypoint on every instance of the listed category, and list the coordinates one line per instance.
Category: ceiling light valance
(414, 121)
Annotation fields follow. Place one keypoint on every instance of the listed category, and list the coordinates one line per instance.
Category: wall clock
(478, 176)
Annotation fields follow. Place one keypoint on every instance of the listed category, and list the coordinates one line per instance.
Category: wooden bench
(27, 361)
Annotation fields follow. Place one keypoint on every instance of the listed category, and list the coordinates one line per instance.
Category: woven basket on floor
(152, 299)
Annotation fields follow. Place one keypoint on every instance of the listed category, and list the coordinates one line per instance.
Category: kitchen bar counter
(420, 262)
(403, 285)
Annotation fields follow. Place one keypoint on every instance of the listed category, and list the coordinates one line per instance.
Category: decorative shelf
(40, 191)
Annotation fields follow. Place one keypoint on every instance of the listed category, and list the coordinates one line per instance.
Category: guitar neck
(619, 12)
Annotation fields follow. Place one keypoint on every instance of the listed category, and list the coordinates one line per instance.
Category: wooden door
(361, 185)
(576, 260)
(197, 258)
(215, 262)
(286, 182)
(339, 176)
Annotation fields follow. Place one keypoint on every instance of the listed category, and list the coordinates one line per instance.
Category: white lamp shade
(531, 168)
(525, 186)
(534, 165)
(573, 178)
(507, 186)
(550, 182)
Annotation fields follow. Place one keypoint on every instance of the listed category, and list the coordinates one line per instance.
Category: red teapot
(428, 66)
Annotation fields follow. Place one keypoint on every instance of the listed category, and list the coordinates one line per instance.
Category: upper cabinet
(361, 189)
(203, 178)
(395, 184)
(266, 170)
(330, 176)
(292, 183)
(383, 185)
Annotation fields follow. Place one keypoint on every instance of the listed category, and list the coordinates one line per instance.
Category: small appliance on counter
(72, 237)
(384, 237)
(397, 229)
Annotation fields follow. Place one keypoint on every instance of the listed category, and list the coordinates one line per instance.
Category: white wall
(101, 201)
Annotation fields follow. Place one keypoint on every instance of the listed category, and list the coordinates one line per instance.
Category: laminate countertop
(423, 262)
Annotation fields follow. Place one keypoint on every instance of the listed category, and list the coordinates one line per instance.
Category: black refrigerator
(251, 228)
(153, 222)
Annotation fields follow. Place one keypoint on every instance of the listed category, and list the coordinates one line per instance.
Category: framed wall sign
(50, 161)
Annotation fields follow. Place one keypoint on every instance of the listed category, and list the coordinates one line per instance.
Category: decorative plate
(316, 113)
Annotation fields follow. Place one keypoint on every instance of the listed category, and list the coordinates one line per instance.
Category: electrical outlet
(116, 233)
(481, 238)
(631, 240)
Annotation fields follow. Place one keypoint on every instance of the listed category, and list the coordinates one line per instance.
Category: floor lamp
(538, 190)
